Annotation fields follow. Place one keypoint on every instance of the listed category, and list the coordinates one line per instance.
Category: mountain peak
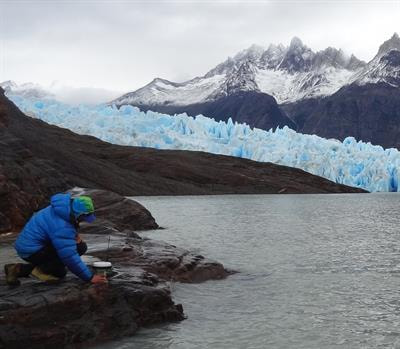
(255, 48)
(155, 80)
(295, 42)
(286, 72)
(297, 58)
(392, 44)
(254, 52)
(355, 63)
(385, 67)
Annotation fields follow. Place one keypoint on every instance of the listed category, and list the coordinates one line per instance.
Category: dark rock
(389, 45)
(300, 111)
(36, 315)
(114, 211)
(251, 107)
(391, 58)
(370, 113)
(168, 262)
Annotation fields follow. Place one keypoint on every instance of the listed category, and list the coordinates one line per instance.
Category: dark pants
(48, 261)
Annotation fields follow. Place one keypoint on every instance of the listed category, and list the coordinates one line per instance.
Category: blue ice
(349, 162)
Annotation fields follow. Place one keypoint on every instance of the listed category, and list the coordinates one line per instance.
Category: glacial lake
(315, 271)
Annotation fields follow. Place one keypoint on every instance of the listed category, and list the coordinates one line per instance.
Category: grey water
(315, 271)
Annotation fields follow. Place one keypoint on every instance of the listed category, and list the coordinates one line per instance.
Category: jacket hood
(61, 204)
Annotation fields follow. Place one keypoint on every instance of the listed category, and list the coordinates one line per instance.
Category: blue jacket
(53, 225)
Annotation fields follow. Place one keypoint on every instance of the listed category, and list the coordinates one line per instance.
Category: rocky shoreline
(72, 313)
(38, 160)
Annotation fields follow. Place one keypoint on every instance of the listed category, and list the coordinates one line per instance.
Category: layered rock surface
(72, 313)
(36, 315)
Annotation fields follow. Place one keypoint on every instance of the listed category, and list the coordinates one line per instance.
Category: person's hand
(78, 238)
(99, 279)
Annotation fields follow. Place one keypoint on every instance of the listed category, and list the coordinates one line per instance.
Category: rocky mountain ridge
(368, 108)
(307, 74)
(384, 67)
(325, 93)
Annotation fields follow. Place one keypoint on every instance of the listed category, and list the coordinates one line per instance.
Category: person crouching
(50, 243)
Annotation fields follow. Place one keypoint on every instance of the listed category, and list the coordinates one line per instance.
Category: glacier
(353, 163)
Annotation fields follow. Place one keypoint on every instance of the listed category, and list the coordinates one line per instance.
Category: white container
(102, 268)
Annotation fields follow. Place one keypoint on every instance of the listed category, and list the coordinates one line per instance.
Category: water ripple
(316, 271)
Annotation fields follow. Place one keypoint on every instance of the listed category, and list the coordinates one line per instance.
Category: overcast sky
(123, 45)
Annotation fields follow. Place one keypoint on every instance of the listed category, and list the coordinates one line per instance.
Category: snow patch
(286, 87)
(158, 92)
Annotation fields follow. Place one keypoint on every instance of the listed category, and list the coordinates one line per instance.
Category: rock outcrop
(370, 113)
(72, 313)
(114, 211)
(164, 260)
(119, 217)
(37, 315)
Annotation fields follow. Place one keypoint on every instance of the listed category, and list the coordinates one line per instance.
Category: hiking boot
(43, 276)
(12, 272)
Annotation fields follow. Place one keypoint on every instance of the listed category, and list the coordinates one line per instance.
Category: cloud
(122, 45)
(84, 95)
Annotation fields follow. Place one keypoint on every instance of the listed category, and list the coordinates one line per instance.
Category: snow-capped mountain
(384, 67)
(326, 93)
(286, 73)
(367, 107)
